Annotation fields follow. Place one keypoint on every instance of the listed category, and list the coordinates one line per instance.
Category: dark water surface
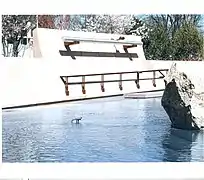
(112, 130)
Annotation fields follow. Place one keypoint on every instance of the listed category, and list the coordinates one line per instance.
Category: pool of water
(111, 130)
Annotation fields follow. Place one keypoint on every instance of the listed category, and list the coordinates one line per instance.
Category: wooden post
(154, 80)
(120, 83)
(83, 85)
(102, 83)
(66, 86)
(137, 80)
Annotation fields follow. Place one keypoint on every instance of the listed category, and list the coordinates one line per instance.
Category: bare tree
(174, 36)
(46, 21)
(100, 23)
(54, 21)
(62, 22)
(77, 22)
(172, 22)
(15, 29)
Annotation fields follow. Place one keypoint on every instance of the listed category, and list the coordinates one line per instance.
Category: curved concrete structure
(48, 42)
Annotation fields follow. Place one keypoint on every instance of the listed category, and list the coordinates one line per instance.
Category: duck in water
(76, 120)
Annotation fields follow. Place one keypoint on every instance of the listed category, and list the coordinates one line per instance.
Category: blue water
(112, 130)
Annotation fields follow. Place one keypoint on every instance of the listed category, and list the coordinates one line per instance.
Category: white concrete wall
(38, 80)
(48, 42)
(35, 81)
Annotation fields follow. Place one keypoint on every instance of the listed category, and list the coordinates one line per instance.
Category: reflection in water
(179, 144)
(112, 130)
(75, 125)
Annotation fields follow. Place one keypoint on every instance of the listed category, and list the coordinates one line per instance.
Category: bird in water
(76, 120)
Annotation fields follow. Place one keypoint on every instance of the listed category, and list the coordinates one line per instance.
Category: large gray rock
(184, 107)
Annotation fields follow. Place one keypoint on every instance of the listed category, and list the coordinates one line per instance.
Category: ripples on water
(112, 130)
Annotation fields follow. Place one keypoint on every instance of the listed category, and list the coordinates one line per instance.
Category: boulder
(182, 104)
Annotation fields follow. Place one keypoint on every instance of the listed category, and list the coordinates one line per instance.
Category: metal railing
(102, 81)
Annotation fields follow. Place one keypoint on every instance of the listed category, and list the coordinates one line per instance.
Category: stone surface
(183, 105)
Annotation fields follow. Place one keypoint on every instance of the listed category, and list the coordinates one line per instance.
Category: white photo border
(103, 171)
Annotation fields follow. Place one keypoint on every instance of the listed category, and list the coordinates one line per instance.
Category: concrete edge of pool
(137, 95)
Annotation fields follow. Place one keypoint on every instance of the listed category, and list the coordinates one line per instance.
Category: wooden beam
(154, 79)
(71, 43)
(129, 46)
(66, 86)
(120, 83)
(83, 85)
(161, 73)
(62, 78)
(137, 80)
(110, 81)
(126, 72)
(102, 83)
(96, 54)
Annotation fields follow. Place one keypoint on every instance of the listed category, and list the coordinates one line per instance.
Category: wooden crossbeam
(129, 46)
(71, 43)
(69, 52)
(137, 79)
(110, 81)
(125, 72)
